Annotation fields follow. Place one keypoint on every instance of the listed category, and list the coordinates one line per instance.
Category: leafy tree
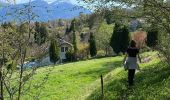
(103, 36)
(109, 16)
(23, 28)
(157, 10)
(94, 20)
(54, 51)
(92, 46)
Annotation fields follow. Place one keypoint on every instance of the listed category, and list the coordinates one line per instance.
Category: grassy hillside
(81, 81)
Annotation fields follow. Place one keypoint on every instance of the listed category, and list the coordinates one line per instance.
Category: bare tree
(15, 40)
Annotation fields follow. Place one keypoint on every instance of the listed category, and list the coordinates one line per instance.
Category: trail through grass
(73, 81)
(81, 81)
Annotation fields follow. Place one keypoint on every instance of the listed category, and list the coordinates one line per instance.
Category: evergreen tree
(115, 39)
(72, 29)
(74, 44)
(54, 51)
(40, 33)
(73, 25)
(43, 33)
(124, 39)
(120, 39)
(152, 37)
(93, 49)
(67, 31)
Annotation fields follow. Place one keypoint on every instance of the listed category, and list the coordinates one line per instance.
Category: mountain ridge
(43, 10)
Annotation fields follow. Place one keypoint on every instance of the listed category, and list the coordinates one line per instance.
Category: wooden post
(102, 95)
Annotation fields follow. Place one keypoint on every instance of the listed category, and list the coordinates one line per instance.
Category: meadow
(81, 80)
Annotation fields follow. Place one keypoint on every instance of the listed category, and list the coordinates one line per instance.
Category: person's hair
(132, 43)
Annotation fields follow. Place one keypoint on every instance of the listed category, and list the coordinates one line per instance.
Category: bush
(101, 53)
(145, 49)
(152, 38)
(69, 56)
(164, 45)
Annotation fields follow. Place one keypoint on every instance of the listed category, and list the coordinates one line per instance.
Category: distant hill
(42, 10)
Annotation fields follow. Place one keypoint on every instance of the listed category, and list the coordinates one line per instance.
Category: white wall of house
(45, 61)
(64, 48)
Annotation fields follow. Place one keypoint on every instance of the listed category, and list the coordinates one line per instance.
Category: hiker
(130, 61)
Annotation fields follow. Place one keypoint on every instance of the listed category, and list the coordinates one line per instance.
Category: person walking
(130, 61)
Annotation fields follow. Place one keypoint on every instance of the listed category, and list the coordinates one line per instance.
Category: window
(66, 49)
(62, 49)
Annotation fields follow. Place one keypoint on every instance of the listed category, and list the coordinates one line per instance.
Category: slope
(81, 80)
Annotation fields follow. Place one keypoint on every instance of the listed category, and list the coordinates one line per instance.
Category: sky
(25, 1)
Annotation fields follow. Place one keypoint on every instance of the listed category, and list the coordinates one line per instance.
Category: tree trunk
(21, 71)
(1, 75)
(1, 79)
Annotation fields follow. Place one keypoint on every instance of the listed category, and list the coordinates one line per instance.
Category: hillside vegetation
(81, 80)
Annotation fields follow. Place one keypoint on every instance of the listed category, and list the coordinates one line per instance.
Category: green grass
(81, 81)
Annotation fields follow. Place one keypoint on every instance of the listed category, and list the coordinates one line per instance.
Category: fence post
(102, 95)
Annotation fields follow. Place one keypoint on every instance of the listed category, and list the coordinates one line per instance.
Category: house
(45, 60)
(65, 46)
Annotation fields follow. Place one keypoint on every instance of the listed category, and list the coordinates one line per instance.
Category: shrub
(54, 51)
(152, 37)
(69, 55)
(101, 53)
(164, 45)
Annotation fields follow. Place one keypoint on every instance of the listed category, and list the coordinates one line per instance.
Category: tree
(74, 44)
(15, 40)
(40, 33)
(73, 25)
(103, 36)
(67, 30)
(94, 20)
(120, 39)
(124, 39)
(92, 45)
(109, 16)
(54, 51)
(74, 40)
(115, 39)
(152, 37)
(157, 10)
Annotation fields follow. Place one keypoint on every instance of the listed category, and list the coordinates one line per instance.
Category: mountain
(41, 11)
(2, 4)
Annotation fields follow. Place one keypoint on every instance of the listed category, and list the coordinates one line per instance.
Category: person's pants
(131, 74)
